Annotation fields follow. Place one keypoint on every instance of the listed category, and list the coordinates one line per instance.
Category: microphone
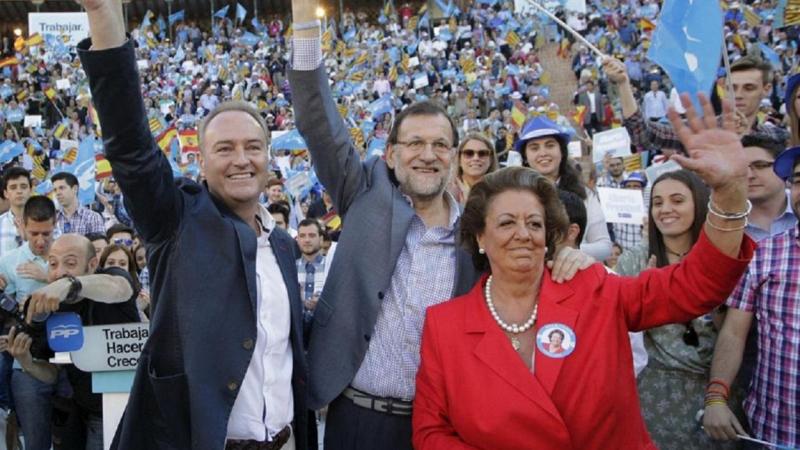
(64, 332)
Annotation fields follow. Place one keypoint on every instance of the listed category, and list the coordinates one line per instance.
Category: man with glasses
(770, 292)
(121, 235)
(72, 217)
(396, 256)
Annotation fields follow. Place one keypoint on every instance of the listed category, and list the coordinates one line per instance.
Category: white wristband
(306, 25)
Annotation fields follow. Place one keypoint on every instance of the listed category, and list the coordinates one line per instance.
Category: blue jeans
(34, 406)
(6, 362)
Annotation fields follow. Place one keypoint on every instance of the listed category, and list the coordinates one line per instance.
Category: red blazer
(474, 391)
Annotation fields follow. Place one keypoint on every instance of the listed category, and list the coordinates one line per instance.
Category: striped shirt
(771, 290)
(9, 237)
(311, 276)
(424, 276)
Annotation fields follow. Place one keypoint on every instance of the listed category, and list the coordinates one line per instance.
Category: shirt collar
(454, 208)
(265, 221)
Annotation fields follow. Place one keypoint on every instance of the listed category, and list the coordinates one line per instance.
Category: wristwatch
(75, 287)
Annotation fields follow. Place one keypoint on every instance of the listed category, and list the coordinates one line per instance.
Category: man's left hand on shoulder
(567, 262)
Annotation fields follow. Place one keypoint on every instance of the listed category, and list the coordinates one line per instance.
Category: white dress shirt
(265, 404)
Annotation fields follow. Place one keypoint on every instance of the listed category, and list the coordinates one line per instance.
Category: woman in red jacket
(489, 376)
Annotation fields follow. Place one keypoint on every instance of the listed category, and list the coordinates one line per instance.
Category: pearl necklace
(511, 328)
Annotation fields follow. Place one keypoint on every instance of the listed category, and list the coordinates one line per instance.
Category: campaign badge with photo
(556, 340)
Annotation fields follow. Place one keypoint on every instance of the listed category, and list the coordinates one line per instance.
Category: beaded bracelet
(719, 228)
(720, 383)
(730, 216)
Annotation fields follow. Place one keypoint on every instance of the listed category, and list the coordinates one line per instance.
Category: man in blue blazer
(224, 365)
(398, 253)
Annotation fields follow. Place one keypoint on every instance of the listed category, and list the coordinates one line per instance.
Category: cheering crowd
(284, 198)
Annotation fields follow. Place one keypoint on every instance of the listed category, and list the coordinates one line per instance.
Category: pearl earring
(545, 249)
(481, 251)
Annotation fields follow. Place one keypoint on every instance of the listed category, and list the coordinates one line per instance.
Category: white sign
(656, 170)
(63, 84)
(298, 182)
(524, 6)
(616, 141)
(622, 205)
(111, 347)
(141, 64)
(420, 81)
(73, 25)
(574, 150)
(413, 62)
(32, 121)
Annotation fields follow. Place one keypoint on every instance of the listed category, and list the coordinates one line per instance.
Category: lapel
(402, 213)
(248, 248)
(552, 310)
(495, 351)
(288, 266)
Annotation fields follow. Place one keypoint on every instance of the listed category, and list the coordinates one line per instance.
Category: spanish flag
(61, 128)
(580, 114)
(10, 61)
(165, 139)
(102, 167)
(646, 25)
(332, 220)
(189, 141)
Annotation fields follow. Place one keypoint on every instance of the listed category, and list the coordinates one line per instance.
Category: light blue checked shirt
(18, 286)
(424, 276)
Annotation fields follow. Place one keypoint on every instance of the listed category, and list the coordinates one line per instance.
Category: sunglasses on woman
(480, 153)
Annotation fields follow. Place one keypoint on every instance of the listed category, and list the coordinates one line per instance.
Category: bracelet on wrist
(712, 209)
(300, 26)
(718, 382)
(719, 228)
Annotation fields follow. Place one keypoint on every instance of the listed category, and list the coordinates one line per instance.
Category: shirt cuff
(306, 53)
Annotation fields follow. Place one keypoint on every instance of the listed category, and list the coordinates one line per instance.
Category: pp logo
(64, 332)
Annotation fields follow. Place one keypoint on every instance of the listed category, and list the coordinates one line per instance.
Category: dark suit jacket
(376, 218)
(202, 267)
(583, 99)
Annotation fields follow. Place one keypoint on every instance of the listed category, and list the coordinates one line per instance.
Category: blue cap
(635, 177)
(785, 162)
(791, 84)
(540, 127)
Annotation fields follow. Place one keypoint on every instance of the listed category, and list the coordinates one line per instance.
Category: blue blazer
(376, 218)
(202, 267)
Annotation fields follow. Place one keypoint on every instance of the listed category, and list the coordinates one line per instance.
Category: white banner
(73, 25)
(622, 205)
(524, 6)
(616, 141)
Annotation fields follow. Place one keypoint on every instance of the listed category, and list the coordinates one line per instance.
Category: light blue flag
(45, 187)
(381, 106)
(687, 44)
(771, 56)
(222, 12)
(9, 150)
(376, 147)
(445, 34)
(161, 24)
(84, 169)
(257, 25)
(289, 141)
(394, 54)
(146, 20)
(349, 35)
(176, 17)
(249, 39)
(241, 12)
(410, 48)
(424, 21)
(6, 91)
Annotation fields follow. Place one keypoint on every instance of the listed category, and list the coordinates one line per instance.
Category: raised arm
(140, 168)
(336, 161)
(102, 288)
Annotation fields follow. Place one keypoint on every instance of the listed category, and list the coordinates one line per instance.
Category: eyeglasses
(469, 153)
(760, 165)
(690, 336)
(418, 145)
(125, 242)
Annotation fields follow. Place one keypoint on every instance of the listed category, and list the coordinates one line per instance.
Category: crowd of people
(345, 163)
